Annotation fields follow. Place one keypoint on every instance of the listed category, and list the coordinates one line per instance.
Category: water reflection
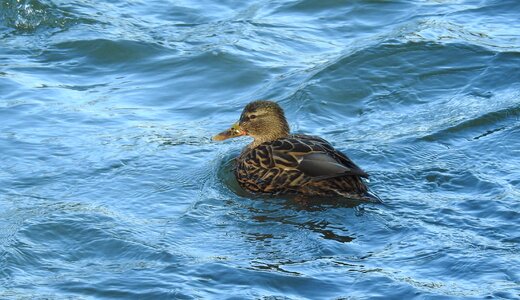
(320, 227)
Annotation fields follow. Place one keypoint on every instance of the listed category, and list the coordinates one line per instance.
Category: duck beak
(232, 132)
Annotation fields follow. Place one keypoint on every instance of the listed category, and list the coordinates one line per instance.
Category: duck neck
(272, 135)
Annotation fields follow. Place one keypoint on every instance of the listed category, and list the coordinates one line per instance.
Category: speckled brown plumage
(279, 167)
(280, 163)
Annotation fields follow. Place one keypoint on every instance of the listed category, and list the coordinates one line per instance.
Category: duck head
(262, 120)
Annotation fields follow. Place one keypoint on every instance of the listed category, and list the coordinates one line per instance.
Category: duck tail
(371, 197)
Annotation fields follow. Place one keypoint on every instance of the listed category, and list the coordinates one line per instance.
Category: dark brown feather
(299, 164)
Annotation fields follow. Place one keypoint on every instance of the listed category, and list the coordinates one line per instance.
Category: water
(111, 187)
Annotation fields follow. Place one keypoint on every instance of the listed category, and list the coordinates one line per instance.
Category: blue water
(110, 186)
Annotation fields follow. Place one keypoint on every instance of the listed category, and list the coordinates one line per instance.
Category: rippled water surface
(110, 186)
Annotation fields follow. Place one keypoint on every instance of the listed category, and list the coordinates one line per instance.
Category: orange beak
(232, 132)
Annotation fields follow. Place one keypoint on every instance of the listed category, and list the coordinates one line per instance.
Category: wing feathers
(320, 165)
(314, 157)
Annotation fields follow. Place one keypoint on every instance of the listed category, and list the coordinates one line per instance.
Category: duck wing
(320, 165)
(314, 157)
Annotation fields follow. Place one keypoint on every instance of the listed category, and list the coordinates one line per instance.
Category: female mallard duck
(277, 162)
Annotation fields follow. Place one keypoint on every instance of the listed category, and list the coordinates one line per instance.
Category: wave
(479, 126)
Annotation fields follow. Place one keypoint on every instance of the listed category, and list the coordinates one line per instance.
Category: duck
(277, 162)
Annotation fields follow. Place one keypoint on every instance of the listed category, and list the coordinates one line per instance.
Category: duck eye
(252, 117)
